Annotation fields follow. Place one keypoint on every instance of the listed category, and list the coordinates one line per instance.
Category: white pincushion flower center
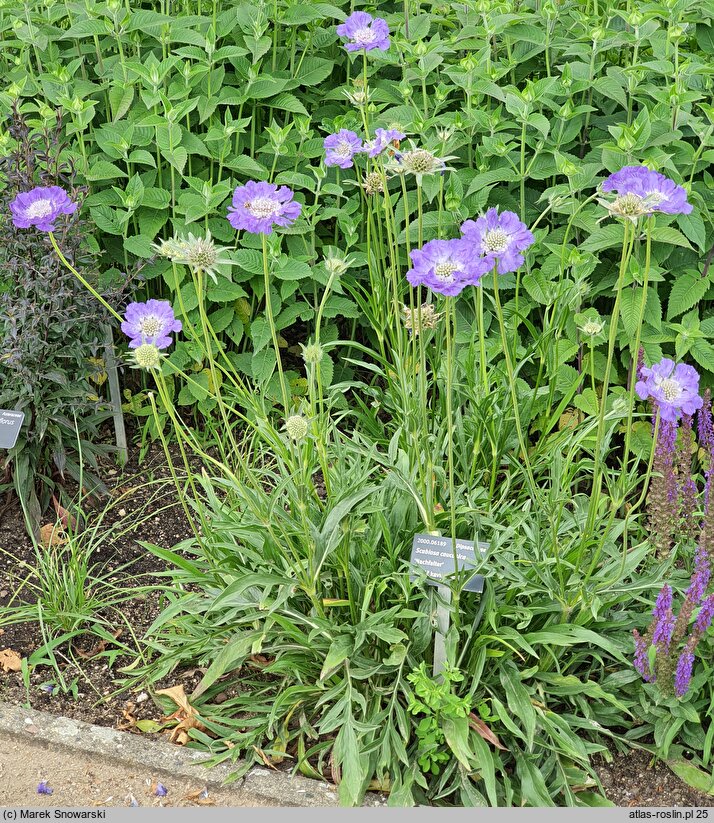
(363, 36)
(147, 356)
(343, 150)
(445, 271)
(262, 207)
(150, 325)
(630, 205)
(40, 208)
(670, 389)
(495, 241)
(202, 253)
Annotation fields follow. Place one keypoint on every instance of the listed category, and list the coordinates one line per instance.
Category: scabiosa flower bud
(147, 356)
(258, 207)
(364, 32)
(674, 388)
(150, 322)
(41, 207)
(418, 162)
(425, 317)
(296, 427)
(312, 353)
(340, 148)
(373, 183)
(498, 238)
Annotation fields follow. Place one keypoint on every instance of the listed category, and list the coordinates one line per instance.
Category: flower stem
(81, 279)
(512, 385)
(271, 322)
(450, 441)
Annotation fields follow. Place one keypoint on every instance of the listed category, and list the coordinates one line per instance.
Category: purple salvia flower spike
(683, 673)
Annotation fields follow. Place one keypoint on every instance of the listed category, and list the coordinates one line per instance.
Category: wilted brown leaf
(10, 661)
(52, 534)
(479, 726)
(186, 716)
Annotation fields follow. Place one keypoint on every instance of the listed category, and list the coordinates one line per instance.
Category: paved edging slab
(58, 733)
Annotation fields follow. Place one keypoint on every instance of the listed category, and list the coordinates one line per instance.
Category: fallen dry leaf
(186, 716)
(479, 726)
(264, 757)
(199, 797)
(10, 661)
(52, 534)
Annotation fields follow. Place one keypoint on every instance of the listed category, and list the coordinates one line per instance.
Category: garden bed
(631, 779)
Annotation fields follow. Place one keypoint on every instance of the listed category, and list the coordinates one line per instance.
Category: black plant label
(10, 425)
(435, 554)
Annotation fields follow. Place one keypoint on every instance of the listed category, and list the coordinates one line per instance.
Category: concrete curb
(61, 733)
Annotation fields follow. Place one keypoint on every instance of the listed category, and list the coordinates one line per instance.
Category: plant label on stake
(435, 555)
(10, 425)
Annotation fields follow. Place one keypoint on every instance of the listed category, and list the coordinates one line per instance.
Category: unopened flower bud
(296, 427)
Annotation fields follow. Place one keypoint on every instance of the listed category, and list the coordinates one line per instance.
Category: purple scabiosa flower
(664, 619)
(383, 138)
(705, 616)
(364, 32)
(674, 388)
(643, 191)
(43, 787)
(151, 322)
(257, 207)
(445, 266)
(40, 207)
(641, 660)
(683, 673)
(160, 790)
(498, 237)
(340, 148)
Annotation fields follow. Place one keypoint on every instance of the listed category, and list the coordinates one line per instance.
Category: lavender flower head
(364, 32)
(341, 147)
(674, 388)
(382, 140)
(498, 237)
(445, 266)
(705, 616)
(43, 788)
(642, 191)
(664, 618)
(41, 207)
(683, 674)
(151, 322)
(257, 207)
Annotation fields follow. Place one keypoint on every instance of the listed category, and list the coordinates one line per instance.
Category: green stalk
(612, 337)
(512, 386)
(636, 348)
(271, 322)
(81, 279)
(450, 446)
